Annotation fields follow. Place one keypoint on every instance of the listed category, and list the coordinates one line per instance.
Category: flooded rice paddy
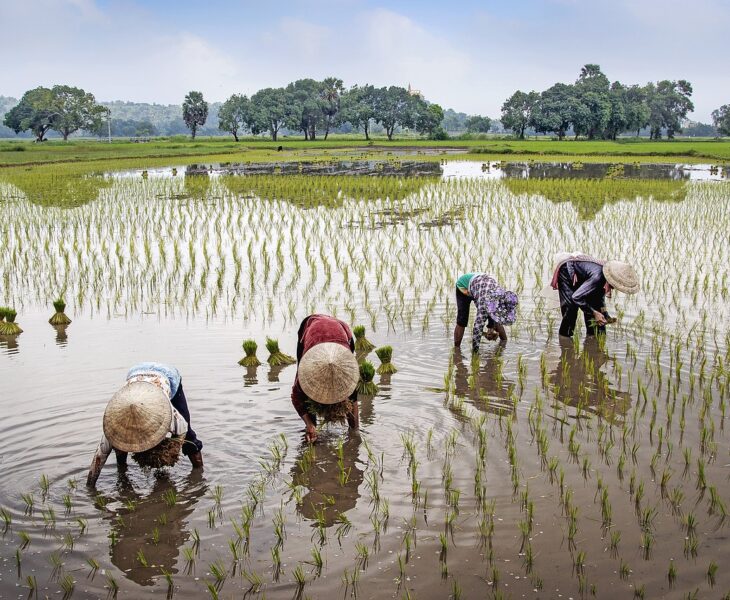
(545, 468)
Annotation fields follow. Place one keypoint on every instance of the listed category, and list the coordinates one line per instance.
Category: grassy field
(161, 150)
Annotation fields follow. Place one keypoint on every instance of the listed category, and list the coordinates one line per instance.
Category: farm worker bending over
(584, 282)
(140, 415)
(327, 373)
(496, 307)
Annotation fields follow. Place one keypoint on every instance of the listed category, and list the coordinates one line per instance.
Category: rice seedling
(67, 585)
(113, 585)
(385, 354)
(8, 326)
(28, 500)
(712, 573)
(276, 356)
(362, 345)
(250, 360)
(7, 519)
(32, 584)
(59, 317)
(366, 386)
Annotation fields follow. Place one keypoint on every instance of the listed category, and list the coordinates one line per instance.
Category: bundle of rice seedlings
(366, 386)
(386, 367)
(60, 317)
(277, 357)
(362, 344)
(330, 413)
(9, 326)
(250, 360)
(164, 454)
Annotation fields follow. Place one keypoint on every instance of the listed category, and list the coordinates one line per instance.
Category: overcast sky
(468, 55)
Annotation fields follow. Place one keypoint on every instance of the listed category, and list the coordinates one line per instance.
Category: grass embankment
(162, 151)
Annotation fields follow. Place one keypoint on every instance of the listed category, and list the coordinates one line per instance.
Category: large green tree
(721, 119)
(305, 107)
(34, 112)
(427, 119)
(235, 114)
(669, 102)
(270, 111)
(478, 124)
(75, 109)
(393, 108)
(359, 107)
(555, 111)
(517, 111)
(592, 105)
(636, 109)
(331, 90)
(195, 111)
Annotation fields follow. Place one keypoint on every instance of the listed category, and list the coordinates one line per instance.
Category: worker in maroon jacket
(327, 371)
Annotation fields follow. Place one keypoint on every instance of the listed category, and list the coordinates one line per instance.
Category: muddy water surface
(543, 469)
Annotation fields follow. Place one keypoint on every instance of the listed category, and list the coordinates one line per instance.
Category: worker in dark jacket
(584, 283)
(327, 371)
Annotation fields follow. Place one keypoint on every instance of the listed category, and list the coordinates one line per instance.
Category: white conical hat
(621, 276)
(328, 373)
(137, 417)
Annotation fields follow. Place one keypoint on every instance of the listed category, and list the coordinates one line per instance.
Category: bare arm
(103, 451)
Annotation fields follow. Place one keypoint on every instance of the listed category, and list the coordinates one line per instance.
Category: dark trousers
(463, 303)
(192, 444)
(569, 309)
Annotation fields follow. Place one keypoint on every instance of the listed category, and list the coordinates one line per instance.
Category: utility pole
(109, 124)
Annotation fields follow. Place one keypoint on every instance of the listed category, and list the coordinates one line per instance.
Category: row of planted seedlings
(228, 254)
(628, 483)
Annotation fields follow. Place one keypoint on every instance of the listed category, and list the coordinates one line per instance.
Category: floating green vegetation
(325, 190)
(589, 196)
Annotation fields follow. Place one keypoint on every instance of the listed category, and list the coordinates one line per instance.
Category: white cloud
(129, 51)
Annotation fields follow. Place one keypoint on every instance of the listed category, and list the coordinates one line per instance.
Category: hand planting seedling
(250, 360)
(385, 354)
(276, 356)
(59, 318)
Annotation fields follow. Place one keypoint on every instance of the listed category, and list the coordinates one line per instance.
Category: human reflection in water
(142, 519)
(578, 379)
(487, 388)
(328, 492)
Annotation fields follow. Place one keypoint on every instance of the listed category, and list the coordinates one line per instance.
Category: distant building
(413, 92)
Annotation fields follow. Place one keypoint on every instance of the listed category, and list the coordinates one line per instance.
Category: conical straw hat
(328, 373)
(137, 417)
(621, 276)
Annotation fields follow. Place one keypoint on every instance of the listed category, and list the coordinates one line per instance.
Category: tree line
(596, 108)
(318, 107)
(592, 107)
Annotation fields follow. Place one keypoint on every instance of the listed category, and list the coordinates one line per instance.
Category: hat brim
(137, 417)
(328, 373)
(621, 276)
